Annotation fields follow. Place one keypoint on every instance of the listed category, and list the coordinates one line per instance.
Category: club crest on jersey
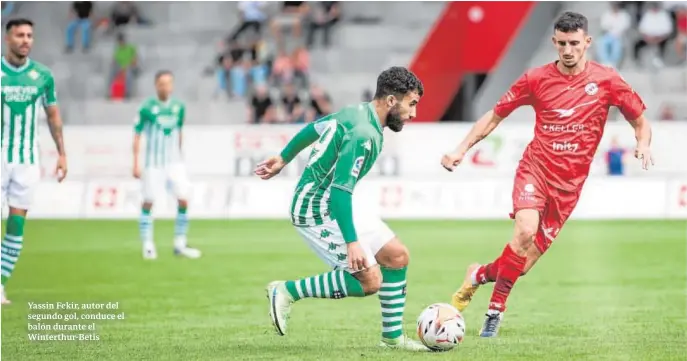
(175, 109)
(591, 89)
(357, 166)
(34, 74)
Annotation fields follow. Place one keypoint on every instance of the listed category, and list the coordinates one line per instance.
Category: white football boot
(280, 305)
(149, 251)
(3, 298)
(403, 343)
(181, 249)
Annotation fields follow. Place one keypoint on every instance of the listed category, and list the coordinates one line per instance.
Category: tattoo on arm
(55, 124)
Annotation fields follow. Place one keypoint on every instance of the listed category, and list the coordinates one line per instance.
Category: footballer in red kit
(571, 98)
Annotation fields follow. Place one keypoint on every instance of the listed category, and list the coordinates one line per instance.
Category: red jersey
(571, 112)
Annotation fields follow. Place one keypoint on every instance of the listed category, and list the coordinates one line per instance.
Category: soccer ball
(440, 327)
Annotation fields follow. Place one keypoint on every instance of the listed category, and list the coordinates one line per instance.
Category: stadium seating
(184, 37)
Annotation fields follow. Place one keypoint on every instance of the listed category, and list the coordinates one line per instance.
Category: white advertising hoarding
(603, 198)
(414, 153)
(407, 181)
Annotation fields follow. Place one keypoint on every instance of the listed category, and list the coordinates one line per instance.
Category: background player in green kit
(160, 120)
(365, 255)
(28, 88)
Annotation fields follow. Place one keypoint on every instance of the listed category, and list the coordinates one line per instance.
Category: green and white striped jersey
(161, 122)
(25, 90)
(350, 141)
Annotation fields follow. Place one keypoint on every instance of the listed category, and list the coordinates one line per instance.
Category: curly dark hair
(570, 22)
(397, 81)
(17, 22)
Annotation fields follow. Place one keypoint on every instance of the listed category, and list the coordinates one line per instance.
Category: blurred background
(251, 73)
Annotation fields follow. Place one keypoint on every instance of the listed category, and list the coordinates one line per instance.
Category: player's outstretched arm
(643, 136)
(519, 94)
(55, 125)
(272, 166)
(482, 128)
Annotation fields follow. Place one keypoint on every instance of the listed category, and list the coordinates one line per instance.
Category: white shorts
(327, 241)
(19, 181)
(173, 178)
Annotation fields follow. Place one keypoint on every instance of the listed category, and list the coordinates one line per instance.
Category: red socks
(509, 267)
(485, 273)
(491, 271)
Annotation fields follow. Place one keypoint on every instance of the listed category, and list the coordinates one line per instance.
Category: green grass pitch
(605, 291)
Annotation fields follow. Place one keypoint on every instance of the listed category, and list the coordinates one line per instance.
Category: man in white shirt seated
(655, 28)
(614, 24)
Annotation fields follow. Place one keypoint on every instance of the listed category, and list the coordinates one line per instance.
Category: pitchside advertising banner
(407, 182)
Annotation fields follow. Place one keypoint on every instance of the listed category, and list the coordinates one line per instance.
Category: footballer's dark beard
(393, 119)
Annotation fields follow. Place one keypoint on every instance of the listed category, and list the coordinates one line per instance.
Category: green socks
(392, 297)
(11, 245)
(340, 284)
(335, 284)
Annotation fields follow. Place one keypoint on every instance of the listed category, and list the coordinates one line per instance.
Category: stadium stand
(183, 37)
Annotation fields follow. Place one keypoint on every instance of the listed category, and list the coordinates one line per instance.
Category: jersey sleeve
(625, 98)
(519, 94)
(140, 121)
(352, 158)
(182, 115)
(50, 94)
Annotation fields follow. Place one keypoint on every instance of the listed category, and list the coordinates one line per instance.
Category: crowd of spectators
(657, 24)
(84, 20)
(265, 60)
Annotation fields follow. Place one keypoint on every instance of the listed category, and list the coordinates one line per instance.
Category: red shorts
(532, 191)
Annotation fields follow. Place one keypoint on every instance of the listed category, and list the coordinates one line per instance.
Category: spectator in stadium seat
(293, 109)
(81, 14)
(125, 12)
(223, 68)
(291, 16)
(323, 18)
(124, 62)
(667, 112)
(301, 66)
(7, 10)
(238, 77)
(681, 25)
(616, 157)
(320, 104)
(252, 17)
(282, 68)
(655, 29)
(614, 23)
(261, 109)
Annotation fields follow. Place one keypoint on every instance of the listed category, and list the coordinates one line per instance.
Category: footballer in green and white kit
(160, 121)
(364, 254)
(28, 88)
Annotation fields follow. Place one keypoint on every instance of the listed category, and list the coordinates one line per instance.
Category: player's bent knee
(370, 279)
(525, 234)
(524, 238)
(394, 254)
(17, 211)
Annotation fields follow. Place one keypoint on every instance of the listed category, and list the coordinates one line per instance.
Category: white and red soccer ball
(440, 327)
